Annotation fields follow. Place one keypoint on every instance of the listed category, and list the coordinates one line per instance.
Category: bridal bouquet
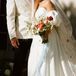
(42, 27)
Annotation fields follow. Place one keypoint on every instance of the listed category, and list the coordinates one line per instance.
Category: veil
(65, 34)
(65, 29)
(65, 21)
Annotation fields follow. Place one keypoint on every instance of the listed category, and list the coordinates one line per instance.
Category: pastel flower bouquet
(42, 27)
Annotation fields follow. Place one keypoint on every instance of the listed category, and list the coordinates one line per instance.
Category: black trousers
(21, 57)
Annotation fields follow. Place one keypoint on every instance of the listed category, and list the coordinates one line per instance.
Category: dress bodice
(42, 12)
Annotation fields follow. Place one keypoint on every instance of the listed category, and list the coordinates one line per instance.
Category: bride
(57, 57)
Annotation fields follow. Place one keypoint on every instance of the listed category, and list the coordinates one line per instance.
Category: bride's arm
(48, 5)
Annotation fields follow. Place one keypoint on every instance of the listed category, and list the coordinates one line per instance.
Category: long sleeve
(11, 18)
(55, 15)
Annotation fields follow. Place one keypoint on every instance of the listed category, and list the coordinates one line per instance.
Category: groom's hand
(15, 42)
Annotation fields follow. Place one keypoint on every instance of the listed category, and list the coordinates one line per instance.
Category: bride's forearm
(50, 6)
(36, 4)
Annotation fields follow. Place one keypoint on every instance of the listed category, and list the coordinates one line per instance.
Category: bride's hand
(45, 36)
(47, 33)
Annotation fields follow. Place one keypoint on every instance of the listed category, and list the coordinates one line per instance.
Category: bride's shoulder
(47, 4)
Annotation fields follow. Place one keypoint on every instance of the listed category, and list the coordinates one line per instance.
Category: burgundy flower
(50, 18)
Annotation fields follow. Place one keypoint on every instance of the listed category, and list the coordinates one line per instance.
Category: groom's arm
(10, 8)
(11, 15)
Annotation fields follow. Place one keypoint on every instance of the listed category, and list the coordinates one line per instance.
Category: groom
(19, 29)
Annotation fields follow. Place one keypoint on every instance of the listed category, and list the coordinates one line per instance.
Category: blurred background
(6, 53)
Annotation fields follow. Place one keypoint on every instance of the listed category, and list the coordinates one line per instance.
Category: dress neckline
(42, 8)
(46, 9)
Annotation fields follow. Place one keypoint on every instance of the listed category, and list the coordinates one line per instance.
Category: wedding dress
(58, 56)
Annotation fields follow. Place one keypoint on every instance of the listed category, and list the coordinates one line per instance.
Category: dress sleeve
(10, 8)
(56, 18)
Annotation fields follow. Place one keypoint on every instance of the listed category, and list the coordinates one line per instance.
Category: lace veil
(65, 33)
(65, 21)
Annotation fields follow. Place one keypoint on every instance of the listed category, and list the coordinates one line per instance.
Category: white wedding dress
(58, 56)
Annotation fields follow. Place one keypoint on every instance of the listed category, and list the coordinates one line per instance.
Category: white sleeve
(10, 8)
(56, 19)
